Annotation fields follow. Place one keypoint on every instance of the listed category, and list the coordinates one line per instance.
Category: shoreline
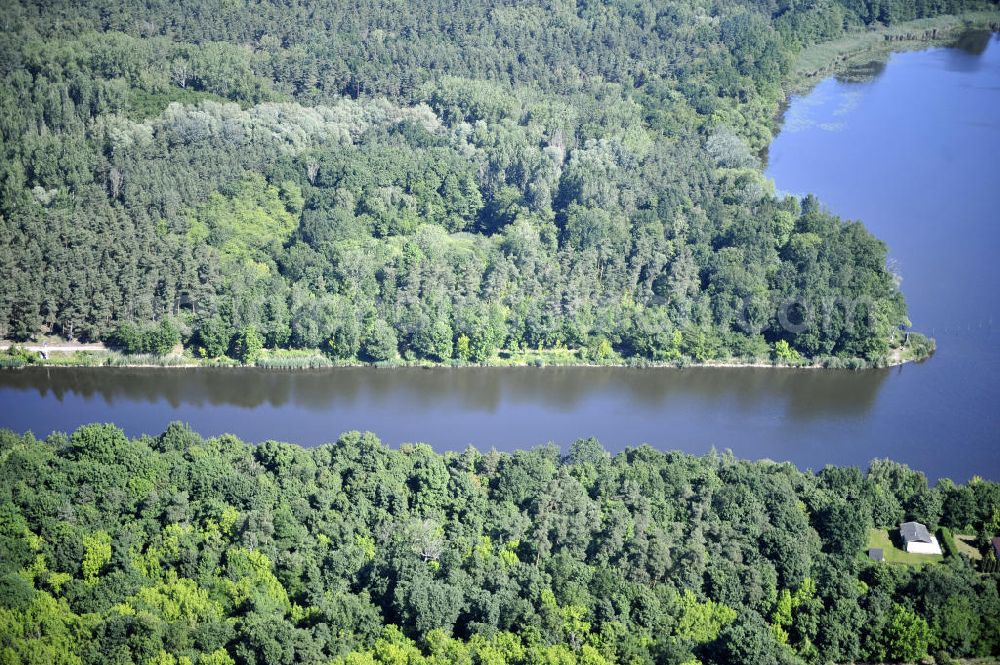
(106, 358)
(871, 47)
(820, 61)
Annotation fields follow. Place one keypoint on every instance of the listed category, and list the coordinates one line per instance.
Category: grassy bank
(860, 49)
(966, 544)
(916, 348)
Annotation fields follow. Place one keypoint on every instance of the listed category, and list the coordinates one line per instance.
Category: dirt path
(61, 347)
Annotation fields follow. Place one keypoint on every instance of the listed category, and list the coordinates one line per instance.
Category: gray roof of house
(914, 532)
(876, 554)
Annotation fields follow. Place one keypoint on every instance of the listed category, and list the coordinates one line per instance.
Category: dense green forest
(426, 180)
(178, 549)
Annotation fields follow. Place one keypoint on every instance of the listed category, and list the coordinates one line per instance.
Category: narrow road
(66, 347)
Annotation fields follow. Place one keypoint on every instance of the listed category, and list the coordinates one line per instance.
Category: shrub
(16, 356)
(248, 345)
(783, 352)
(379, 343)
(214, 338)
(156, 340)
(160, 340)
(126, 338)
(947, 541)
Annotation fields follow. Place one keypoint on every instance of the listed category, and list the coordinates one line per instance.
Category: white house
(917, 539)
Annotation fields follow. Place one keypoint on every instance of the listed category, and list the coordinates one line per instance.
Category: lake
(914, 152)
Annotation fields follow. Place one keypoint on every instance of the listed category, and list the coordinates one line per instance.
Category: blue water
(915, 154)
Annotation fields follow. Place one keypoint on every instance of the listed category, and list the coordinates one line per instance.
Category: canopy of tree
(178, 549)
(432, 179)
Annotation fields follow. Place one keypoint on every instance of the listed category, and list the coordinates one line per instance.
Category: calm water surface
(914, 153)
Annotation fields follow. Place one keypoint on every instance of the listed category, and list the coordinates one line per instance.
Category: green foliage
(749, 641)
(46, 632)
(15, 356)
(701, 622)
(947, 540)
(248, 345)
(250, 223)
(213, 550)
(96, 555)
(214, 338)
(784, 353)
(990, 563)
(844, 527)
(592, 181)
(162, 339)
(462, 349)
(127, 338)
(600, 349)
(379, 342)
(158, 340)
(917, 347)
(700, 343)
(906, 637)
